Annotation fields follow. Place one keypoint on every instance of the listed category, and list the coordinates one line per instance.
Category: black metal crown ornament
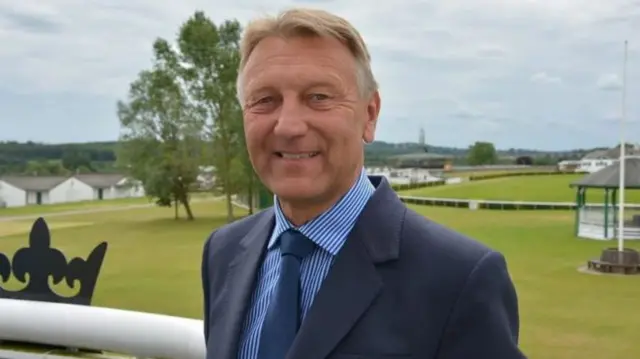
(40, 261)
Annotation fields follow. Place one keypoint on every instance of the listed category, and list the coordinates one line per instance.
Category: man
(339, 267)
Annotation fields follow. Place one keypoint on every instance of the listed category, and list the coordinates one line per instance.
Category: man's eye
(264, 100)
(319, 97)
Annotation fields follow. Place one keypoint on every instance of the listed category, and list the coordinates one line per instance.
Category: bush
(406, 186)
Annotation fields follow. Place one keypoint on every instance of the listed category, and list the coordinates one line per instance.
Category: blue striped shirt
(329, 232)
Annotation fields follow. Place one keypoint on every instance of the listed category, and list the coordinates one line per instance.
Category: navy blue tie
(282, 321)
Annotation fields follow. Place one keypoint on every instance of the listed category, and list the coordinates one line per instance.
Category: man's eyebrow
(257, 87)
(321, 83)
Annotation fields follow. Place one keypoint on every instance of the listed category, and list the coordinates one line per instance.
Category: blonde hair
(300, 22)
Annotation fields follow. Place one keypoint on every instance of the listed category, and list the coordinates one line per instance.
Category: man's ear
(373, 110)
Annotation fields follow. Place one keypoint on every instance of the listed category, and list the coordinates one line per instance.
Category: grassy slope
(89, 205)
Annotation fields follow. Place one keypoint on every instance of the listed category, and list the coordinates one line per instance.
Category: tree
(209, 59)
(251, 183)
(160, 140)
(189, 100)
(545, 160)
(524, 160)
(76, 161)
(482, 153)
(46, 168)
(190, 97)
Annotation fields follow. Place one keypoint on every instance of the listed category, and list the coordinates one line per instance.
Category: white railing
(596, 231)
(143, 335)
(494, 204)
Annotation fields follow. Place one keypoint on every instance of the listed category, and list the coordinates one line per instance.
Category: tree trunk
(187, 206)
(227, 183)
(229, 207)
(250, 194)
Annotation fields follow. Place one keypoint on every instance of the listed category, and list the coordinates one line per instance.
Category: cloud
(615, 117)
(609, 82)
(28, 22)
(544, 78)
(521, 73)
(467, 114)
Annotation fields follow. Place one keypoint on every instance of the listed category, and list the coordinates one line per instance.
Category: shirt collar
(330, 229)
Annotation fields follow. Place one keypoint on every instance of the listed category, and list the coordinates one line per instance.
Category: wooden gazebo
(599, 221)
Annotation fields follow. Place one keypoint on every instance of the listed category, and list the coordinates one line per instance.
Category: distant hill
(390, 149)
(20, 157)
(31, 157)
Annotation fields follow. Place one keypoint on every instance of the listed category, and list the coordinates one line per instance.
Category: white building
(17, 191)
(594, 165)
(403, 175)
(569, 165)
(111, 186)
(597, 160)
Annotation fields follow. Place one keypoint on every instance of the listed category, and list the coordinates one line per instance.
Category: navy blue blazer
(401, 287)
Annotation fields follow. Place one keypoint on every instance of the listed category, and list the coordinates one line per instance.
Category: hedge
(406, 186)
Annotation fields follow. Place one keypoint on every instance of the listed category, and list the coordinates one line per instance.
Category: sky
(543, 74)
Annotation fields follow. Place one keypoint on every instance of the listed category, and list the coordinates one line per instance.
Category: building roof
(629, 151)
(609, 176)
(612, 153)
(34, 183)
(597, 155)
(100, 180)
(46, 183)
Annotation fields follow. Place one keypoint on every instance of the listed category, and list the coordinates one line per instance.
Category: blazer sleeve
(205, 286)
(485, 322)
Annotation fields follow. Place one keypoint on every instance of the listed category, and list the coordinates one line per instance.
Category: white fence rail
(143, 335)
(499, 205)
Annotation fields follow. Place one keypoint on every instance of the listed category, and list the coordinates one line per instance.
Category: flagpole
(622, 153)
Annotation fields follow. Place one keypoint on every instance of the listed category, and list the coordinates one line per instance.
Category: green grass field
(153, 265)
(76, 206)
(62, 207)
(551, 188)
(152, 262)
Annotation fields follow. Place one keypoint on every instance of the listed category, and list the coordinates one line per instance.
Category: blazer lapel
(353, 281)
(238, 288)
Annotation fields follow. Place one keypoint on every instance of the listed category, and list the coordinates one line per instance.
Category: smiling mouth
(296, 156)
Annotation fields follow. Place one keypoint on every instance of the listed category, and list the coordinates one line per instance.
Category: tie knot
(296, 244)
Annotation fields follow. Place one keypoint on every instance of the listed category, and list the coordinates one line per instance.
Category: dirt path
(96, 209)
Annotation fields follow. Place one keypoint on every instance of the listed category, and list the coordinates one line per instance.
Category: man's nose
(292, 121)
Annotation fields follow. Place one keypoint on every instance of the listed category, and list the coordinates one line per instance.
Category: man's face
(304, 117)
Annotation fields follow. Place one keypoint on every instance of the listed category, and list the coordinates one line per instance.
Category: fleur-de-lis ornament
(40, 261)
